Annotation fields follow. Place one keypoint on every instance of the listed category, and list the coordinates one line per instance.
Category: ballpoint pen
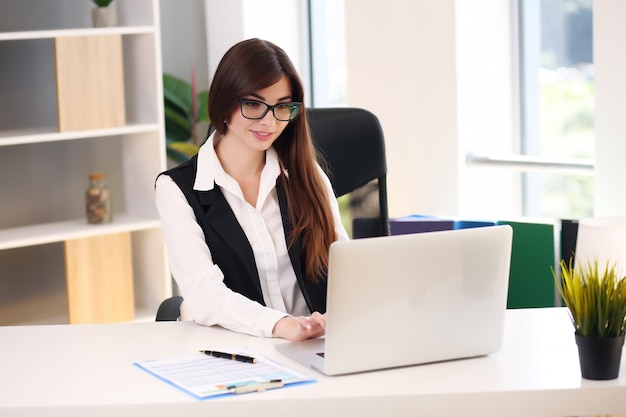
(232, 356)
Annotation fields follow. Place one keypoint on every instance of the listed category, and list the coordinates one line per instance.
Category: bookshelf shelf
(45, 170)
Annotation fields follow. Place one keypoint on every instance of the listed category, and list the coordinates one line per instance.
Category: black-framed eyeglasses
(255, 110)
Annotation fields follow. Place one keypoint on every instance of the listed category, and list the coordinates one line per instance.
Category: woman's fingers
(320, 319)
(301, 328)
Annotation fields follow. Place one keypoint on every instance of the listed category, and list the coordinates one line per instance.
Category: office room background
(445, 79)
(449, 81)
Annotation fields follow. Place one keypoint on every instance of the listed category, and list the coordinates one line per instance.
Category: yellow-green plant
(102, 3)
(595, 298)
(184, 109)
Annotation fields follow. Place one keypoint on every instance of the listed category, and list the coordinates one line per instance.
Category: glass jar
(98, 200)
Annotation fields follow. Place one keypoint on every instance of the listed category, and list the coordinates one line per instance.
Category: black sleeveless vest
(229, 246)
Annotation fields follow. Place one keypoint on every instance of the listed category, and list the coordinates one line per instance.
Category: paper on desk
(205, 376)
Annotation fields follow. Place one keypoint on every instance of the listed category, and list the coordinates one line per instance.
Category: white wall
(183, 40)
(278, 21)
(486, 99)
(610, 113)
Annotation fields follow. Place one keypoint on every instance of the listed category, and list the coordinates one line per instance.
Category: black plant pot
(599, 357)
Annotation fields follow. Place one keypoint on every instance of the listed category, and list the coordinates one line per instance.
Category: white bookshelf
(44, 172)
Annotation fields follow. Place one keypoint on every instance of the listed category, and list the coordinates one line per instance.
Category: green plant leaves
(595, 297)
(177, 126)
(203, 106)
(180, 120)
(177, 92)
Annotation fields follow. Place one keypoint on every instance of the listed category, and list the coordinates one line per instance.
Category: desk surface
(80, 370)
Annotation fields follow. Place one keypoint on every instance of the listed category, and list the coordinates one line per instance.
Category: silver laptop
(411, 299)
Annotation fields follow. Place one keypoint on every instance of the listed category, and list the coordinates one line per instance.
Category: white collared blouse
(207, 298)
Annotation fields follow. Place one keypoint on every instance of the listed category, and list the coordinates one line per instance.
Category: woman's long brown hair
(253, 65)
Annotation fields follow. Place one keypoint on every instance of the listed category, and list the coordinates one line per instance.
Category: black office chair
(352, 145)
(169, 309)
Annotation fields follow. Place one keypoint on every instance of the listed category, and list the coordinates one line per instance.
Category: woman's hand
(295, 329)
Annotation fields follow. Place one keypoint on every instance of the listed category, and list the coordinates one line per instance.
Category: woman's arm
(208, 299)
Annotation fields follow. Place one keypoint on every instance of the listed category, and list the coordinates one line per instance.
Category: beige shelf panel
(90, 82)
(99, 274)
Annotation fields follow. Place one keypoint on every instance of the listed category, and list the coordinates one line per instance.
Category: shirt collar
(210, 171)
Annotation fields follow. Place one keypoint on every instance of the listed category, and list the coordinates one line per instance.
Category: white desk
(86, 370)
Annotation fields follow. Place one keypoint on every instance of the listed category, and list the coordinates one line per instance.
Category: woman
(249, 220)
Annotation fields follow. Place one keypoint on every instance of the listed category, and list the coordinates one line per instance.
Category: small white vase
(103, 17)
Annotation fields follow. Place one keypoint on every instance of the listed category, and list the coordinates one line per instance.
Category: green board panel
(531, 283)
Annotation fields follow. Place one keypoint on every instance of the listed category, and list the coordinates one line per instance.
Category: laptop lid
(412, 299)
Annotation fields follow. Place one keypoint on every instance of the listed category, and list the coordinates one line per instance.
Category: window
(557, 105)
(328, 53)
(554, 149)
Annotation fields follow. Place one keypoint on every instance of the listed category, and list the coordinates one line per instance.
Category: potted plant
(596, 298)
(103, 15)
(186, 117)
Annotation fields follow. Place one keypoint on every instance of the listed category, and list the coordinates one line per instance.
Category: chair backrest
(351, 142)
(169, 309)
